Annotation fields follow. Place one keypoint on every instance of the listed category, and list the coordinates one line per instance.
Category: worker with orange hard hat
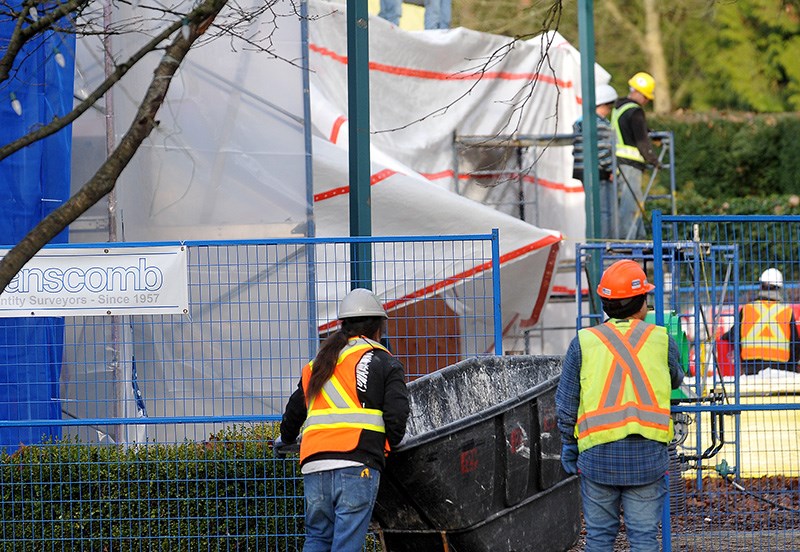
(613, 408)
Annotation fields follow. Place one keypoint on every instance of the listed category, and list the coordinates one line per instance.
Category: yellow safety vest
(335, 417)
(625, 151)
(625, 383)
(766, 333)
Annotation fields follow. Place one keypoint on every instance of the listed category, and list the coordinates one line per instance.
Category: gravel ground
(756, 514)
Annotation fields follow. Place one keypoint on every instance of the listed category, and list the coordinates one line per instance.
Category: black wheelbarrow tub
(479, 468)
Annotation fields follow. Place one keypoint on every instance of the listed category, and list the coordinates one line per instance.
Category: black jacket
(633, 127)
(385, 390)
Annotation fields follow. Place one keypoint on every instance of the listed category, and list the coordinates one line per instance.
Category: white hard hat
(604, 94)
(361, 302)
(772, 277)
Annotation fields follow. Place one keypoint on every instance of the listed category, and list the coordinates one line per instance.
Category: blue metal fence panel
(167, 418)
(738, 445)
(734, 476)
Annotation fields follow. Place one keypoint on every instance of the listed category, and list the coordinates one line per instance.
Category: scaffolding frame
(518, 167)
(517, 145)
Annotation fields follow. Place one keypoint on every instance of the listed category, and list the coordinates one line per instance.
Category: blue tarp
(33, 182)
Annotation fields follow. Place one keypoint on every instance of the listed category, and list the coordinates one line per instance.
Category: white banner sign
(100, 281)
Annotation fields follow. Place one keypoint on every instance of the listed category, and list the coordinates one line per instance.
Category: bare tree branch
(59, 123)
(198, 21)
(22, 34)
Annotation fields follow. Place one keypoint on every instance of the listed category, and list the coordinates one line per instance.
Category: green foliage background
(735, 163)
(735, 55)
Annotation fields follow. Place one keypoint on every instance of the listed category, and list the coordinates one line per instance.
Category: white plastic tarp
(227, 161)
(426, 87)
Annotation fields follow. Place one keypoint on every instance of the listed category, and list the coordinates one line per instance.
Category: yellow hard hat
(644, 83)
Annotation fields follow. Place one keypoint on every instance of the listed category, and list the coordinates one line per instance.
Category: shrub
(227, 493)
(725, 156)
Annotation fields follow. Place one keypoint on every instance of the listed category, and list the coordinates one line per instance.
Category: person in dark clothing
(352, 406)
(634, 152)
(767, 330)
(605, 96)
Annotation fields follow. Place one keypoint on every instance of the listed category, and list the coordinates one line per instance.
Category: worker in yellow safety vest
(613, 409)
(351, 405)
(634, 151)
(767, 332)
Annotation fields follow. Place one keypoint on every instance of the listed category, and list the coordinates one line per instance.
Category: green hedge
(228, 493)
(723, 161)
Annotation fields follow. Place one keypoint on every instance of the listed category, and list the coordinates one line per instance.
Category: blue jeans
(338, 508)
(391, 10)
(630, 196)
(642, 508)
(608, 210)
(437, 14)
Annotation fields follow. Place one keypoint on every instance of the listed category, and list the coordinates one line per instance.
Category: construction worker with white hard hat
(351, 405)
(767, 332)
(634, 151)
(604, 96)
(613, 411)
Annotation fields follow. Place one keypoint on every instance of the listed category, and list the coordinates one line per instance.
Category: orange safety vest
(766, 331)
(335, 417)
(625, 383)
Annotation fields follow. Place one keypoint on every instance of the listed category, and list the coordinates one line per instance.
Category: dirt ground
(718, 515)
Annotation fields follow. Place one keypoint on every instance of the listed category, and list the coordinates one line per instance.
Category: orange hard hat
(623, 279)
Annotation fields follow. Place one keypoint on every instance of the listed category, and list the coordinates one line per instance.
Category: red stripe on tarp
(549, 269)
(452, 280)
(564, 290)
(386, 173)
(527, 178)
(344, 190)
(438, 175)
(438, 75)
(336, 126)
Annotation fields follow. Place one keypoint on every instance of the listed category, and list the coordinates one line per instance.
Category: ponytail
(328, 354)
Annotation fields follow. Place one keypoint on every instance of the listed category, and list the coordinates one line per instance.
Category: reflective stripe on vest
(335, 417)
(766, 333)
(625, 384)
(624, 150)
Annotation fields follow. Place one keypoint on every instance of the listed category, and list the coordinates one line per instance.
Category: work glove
(569, 457)
(279, 447)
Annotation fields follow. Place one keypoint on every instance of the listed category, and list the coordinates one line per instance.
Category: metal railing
(733, 481)
(158, 426)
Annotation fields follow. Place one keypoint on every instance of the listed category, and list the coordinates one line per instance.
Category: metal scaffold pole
(591, 175)
(358, 114)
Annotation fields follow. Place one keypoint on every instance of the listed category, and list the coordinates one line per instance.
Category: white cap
(361, 302)
(604, 93)
(772, 277)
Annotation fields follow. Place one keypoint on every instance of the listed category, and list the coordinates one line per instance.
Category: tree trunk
(654, 48)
